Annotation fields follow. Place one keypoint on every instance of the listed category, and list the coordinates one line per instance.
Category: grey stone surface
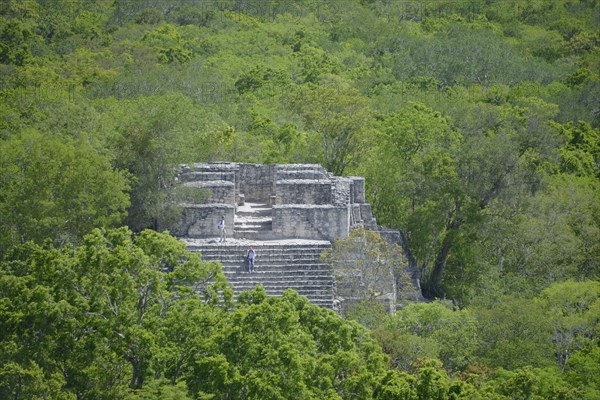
(219, 192)
(201, 220)
(304, 200)
(310, 221)
(289, 213)
(303, 191)
(256, 181)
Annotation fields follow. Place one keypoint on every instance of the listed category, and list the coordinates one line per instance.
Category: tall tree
(57, 188)
(414, 186)
(90, 321)
(340, 117)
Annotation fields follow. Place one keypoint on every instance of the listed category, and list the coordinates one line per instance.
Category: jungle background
(476, 125)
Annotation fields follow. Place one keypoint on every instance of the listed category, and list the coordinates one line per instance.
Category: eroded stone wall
(256, 182)
(214, 192)
(202, 220)
(305, 200)
(303, 191)
(310, 221)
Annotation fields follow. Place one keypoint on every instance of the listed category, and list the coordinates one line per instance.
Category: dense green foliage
(476, 124)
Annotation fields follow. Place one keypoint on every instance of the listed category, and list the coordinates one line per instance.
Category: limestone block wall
(216, 171)
(300, 171)
(358, 189)
(217, 191)
(341, 193)
(256, 182)
(310, 221)
(303, 191)
(367, 216)
(308, 201)
(355, 218)
(202, 176)
(202, 220)
(406, 290)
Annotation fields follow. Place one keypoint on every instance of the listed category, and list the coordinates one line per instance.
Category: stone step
(250, 209)
(310, 293)
(323, 303)
(279, 271)
(260, 277)
(225, 248)
(266, 255)
(265, 245)
(221, 250)
(276, 264)
(284, 284)
(300, 286)
(313, 296)
(260, 251)
(270, 256)
(253, 226)
(279, 264)
(257, 213)
(199, 176)
(239, 254)
(321, 300)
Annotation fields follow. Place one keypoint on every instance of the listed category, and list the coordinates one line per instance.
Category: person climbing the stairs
(250, 255)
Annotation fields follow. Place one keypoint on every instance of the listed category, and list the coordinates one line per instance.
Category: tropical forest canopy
(476, 124)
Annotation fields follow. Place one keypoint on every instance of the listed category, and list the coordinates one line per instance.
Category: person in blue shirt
(250, 255)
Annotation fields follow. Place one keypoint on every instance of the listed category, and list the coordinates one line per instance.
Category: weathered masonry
(265, 202)
(288, 213)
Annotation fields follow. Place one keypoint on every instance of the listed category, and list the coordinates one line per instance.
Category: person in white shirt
(222, 228)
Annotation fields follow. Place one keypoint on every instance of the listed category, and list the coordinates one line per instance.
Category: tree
(57, 188)
(550, 237)
(91, 320)
(414, 185)
(149, 138)
(512, 335)
(583, 370)
(436, 180)
(340, 117)
(285, 347)
(430, 330)
(366, 267)
(532, 383)
(16, 38)
(169, 44)
(580, 155)
(573, 310)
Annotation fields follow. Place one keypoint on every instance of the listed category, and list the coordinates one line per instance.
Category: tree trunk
(412, 263)
(413, 266)
(435, 280)
(137, 376)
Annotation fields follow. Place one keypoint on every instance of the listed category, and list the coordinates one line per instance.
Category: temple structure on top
(277, 201)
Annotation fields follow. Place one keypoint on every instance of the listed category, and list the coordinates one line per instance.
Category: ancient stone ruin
(266, 202)
(288, 213)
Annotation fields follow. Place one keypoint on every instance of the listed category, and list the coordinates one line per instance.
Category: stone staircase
(279, 265)
(252, 220)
